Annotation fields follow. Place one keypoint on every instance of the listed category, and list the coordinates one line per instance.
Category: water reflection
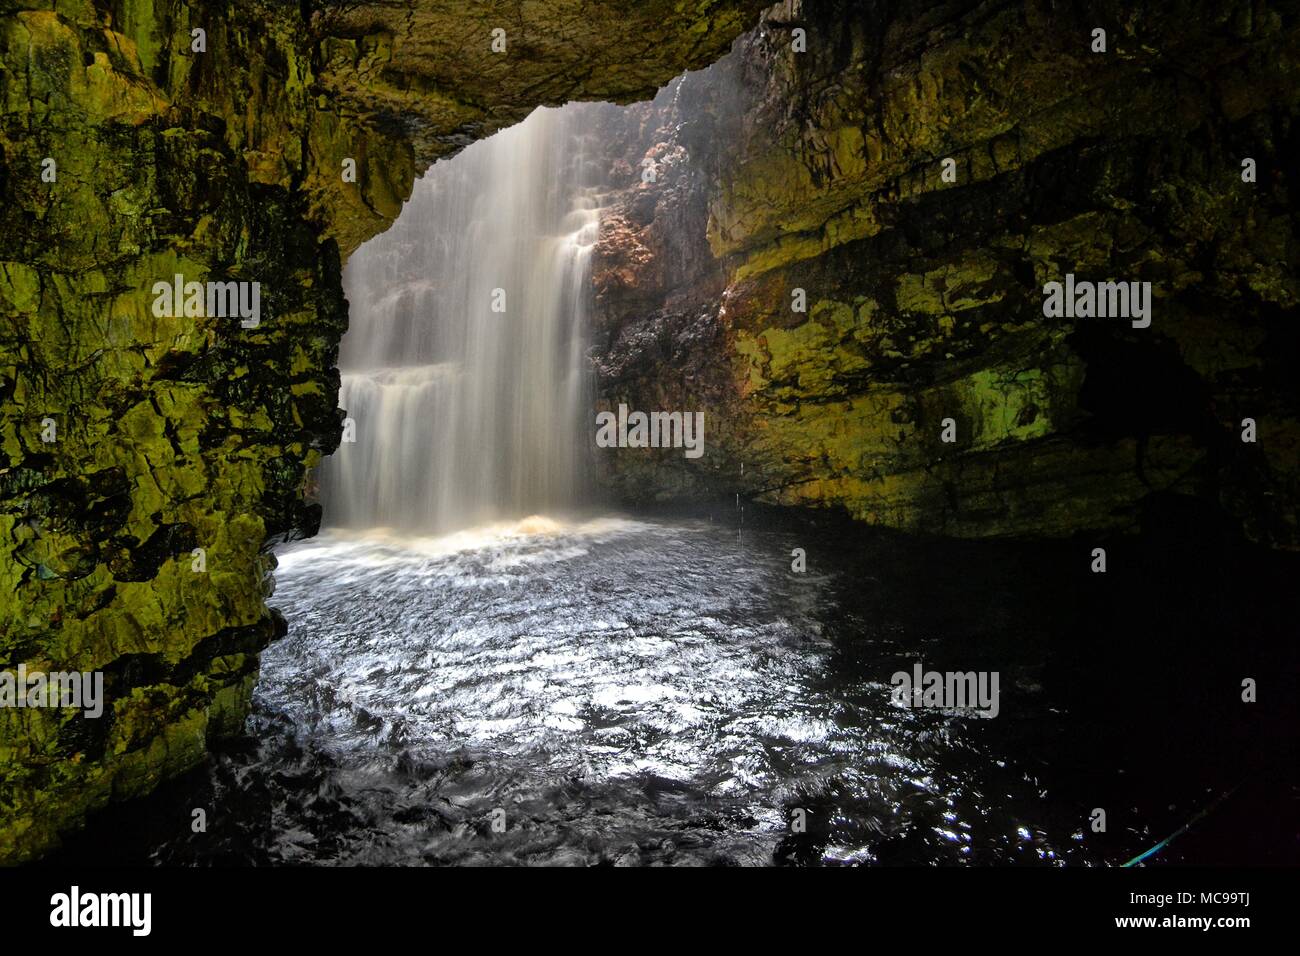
(625, 691)
(618, 691)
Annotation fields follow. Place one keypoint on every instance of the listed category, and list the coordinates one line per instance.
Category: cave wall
(172, 434)
(821, 170)
(775, 170)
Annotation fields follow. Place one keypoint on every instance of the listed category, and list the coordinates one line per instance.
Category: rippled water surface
(623, 691)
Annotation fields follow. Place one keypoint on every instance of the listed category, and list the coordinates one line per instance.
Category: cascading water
(462, 369)
(636, 691)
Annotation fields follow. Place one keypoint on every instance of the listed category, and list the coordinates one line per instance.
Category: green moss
(1006, 405)
(178, 432)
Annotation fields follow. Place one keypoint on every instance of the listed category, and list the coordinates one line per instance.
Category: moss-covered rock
(147, 460)
(824, 181)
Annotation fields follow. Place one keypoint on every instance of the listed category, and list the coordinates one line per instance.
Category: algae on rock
(208, 140)
(924, 303)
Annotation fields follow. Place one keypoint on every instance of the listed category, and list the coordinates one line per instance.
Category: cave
(835, 433)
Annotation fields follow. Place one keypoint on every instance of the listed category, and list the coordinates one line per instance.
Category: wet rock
(822, 171)
(147, 460)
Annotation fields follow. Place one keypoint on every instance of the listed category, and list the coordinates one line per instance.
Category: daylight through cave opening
(936, 346)
(463, 370)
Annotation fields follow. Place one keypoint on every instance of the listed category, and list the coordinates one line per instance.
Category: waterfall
(465, 413)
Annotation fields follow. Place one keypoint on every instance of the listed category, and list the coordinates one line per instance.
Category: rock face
(822, 170)
(146, 459)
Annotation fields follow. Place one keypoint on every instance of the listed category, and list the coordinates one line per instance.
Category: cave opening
(463, 368)
(483, 658)
(642, 527)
